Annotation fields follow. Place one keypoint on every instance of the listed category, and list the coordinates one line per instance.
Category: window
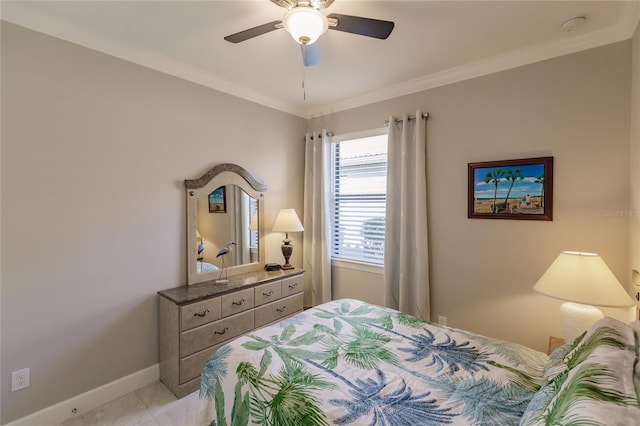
(358, 198)
(253, 224)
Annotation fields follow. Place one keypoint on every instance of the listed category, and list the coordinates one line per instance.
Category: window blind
(253, 212)
(358, 198)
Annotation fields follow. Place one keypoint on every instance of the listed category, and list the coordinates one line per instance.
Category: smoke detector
(573, 23)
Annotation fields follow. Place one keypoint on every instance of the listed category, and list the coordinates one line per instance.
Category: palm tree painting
(540, 180)
(511, 189)
(512, 176)
(494, 177)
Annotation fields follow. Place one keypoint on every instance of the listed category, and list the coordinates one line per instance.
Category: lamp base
(575, 319)
(287, 250)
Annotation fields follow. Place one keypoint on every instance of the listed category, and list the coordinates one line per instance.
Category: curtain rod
(386, 123)
(330, 134)
(411, 117)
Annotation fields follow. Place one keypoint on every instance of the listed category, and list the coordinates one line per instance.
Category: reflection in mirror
(225, 214)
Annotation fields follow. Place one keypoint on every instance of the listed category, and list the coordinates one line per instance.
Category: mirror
(226, 215)
(225, 210)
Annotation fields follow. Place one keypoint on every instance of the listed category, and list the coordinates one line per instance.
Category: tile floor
(152, 405)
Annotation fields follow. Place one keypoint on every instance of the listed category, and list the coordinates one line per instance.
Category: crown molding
(540, 52)
(46, 25)
(537, 53)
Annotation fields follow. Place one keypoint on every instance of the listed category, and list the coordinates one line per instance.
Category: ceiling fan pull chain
(304, 89)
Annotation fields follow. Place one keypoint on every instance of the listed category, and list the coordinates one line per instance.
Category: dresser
(195, 320)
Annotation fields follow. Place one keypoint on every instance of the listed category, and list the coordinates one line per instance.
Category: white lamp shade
(287, 221)
(305, 24)
(583, 278)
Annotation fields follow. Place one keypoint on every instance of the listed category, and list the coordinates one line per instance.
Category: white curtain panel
(406, 257)
(238, 203)
(244, 219)
(316, 220)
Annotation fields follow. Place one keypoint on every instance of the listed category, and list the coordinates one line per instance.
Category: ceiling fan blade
(368, 27)
(316, 4)
(287, 4)
(253, 32)
(310, 54)
(323, 4)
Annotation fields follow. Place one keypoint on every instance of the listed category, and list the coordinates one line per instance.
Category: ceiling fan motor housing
(305, 24)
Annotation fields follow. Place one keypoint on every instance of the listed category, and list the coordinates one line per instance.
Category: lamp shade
(287, 221)
(305, 24)
(583, 278)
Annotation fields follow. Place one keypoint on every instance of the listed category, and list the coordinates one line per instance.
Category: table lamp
(583, 278)
(287, 221)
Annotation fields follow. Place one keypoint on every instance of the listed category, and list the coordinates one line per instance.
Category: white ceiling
(433, 43)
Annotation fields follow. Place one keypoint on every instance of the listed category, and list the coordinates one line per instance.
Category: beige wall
(94, 154)
(574, 108)
(634, 230)
(353, 281)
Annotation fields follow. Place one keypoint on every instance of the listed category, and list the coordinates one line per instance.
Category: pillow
(635, 325)
(590, 380)
(605, 332)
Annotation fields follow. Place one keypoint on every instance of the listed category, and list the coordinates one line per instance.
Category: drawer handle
(281, 310)
(203, 314)
(293, 285)
(268, 294)
(224, 330)
(238, 303)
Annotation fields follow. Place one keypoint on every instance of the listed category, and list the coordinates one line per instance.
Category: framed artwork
(218, 201)
(511, 189)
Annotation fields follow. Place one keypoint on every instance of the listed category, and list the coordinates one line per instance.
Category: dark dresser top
(195, 292)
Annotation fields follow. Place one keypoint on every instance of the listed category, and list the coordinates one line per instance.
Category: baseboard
(84, 402)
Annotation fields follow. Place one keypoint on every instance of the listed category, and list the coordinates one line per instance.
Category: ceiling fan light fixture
(305, 24)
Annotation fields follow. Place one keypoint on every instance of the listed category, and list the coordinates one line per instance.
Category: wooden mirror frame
(221, 175)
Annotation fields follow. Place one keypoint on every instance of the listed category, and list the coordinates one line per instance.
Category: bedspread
(349, 362)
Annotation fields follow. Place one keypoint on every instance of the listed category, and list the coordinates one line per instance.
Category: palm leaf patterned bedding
(351, 363)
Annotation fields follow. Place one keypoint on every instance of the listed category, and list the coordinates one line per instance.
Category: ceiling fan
(304, 21)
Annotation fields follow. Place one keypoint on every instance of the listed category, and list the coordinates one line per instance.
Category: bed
(205, 266)
(347, 362)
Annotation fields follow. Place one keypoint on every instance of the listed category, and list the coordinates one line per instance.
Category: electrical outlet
(20, 379)
(442, 320)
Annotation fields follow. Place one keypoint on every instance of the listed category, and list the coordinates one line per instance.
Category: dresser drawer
(214, 333)
(237, 302)
(279, 309)
(191, 366)
(267, 293)
(191, 331)
(199, 313)
(292, 285)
